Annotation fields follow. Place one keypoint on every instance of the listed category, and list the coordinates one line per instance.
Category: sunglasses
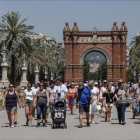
(10, 86)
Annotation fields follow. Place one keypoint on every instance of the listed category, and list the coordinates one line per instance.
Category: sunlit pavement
(100, 131)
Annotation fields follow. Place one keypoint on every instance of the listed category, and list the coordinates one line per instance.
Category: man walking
(85, 98)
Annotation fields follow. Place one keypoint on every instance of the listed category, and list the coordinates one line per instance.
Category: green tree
(86, 70)
(16, 31)
(135, 54)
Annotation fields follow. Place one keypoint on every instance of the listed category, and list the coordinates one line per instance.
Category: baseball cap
(105, 81)
(96, 83)
(81, 84)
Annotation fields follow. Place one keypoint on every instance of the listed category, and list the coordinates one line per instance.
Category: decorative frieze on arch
(95, 48)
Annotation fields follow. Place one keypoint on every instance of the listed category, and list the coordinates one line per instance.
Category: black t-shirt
(109, 97)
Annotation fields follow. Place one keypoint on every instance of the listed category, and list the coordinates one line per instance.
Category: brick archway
(95, 48)
(110, 43)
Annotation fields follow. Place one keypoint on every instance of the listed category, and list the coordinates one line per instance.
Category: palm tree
(135, 54)
(16, 31)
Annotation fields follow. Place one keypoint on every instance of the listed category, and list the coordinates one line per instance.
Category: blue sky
(50, 16)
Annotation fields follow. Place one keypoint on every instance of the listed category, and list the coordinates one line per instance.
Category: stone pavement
(100, 131)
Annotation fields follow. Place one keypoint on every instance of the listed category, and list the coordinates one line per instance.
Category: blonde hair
(91, 83)
(18, 88)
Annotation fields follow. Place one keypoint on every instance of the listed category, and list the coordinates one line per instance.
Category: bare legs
(73, 109)
(28, 112)
(16, 114)
(11, 117)
(131, 104)
(108, 112)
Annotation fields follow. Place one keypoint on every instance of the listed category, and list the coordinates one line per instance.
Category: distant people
(93, 106)
(27, 102)
(121, 102)
(85, 98)
(102, 91)
(109, 94)
(11, 97)
(47, 85)
(51, 102)
(19, 94)
(138, 101)
(41, 101)
(72, 93)
(35, 88)
(131, 95)
(60, 91)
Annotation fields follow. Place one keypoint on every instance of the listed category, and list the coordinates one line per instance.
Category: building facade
(112, 44)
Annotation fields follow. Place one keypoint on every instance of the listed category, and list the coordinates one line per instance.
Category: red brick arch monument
(112, 44)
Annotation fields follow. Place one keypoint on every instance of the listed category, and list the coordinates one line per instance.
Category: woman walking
(18, 91)
(93, 106)
(72, 96)
(109, 102)
(27, 102)
(41, 100)
(11, 97)
(121, 102)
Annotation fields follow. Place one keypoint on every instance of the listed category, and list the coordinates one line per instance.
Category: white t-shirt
(95, 91)
(35, 89)
(29, 94)
(103, 89)
(60, 89)
(113, 89)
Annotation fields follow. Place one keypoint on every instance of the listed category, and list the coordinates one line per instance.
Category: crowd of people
(88, 97)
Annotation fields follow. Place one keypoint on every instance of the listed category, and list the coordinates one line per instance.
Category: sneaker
(44, 125)
(15, 123)
(123, 123)
(27, 122)
(46, 121)
(80, 126)
(93, 122)
(30, 125)
(12, 126)
(88, 124)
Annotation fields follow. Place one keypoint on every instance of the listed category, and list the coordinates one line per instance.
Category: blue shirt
(82, 97)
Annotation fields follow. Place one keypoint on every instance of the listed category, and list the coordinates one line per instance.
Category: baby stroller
(59, 111)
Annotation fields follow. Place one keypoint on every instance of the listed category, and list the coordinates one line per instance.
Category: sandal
(80, 126)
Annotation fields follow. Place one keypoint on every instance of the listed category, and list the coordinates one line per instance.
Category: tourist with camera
(121, 103)
(60, 91)
(85, 98)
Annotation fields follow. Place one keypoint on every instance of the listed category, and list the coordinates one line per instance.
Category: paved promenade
(100, 131)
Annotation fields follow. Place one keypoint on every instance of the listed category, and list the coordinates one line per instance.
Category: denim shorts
(11, 108)
(72, 101)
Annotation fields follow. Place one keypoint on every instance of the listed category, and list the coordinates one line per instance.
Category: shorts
(28, 103)
(51, 107)
(11, 108)
(92, 109)
(109, 104)
(72, 101)
(130, 98)
(84, 108)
